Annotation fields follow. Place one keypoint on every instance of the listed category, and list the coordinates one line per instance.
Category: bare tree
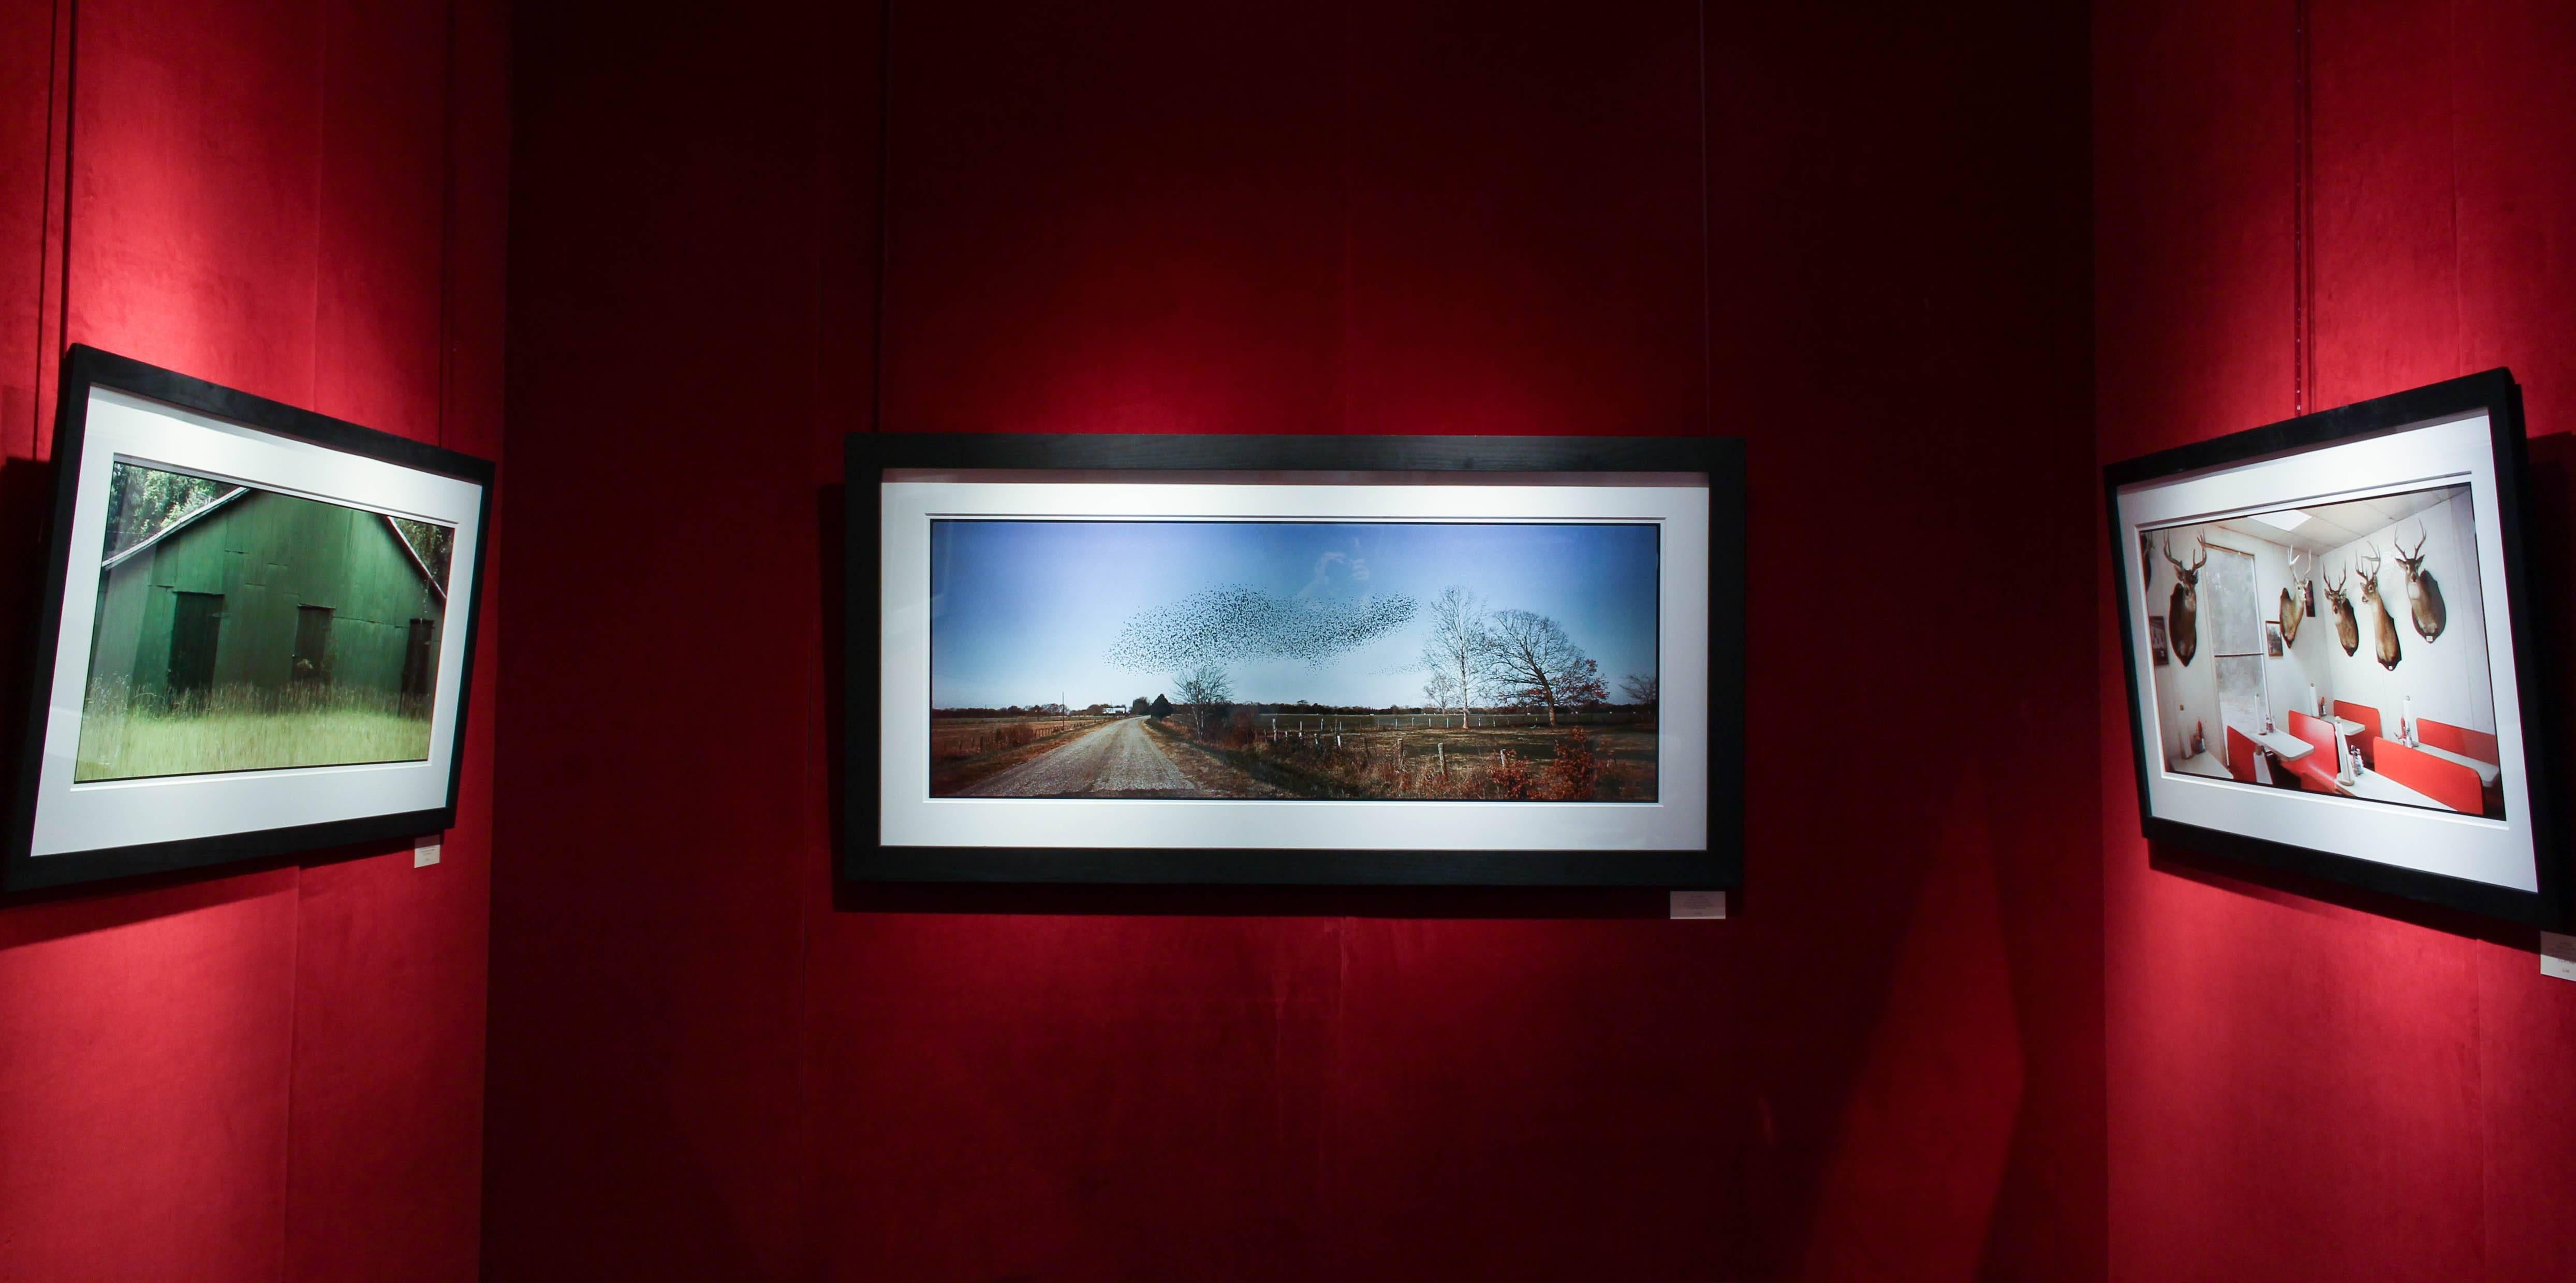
(1438, 690)
(1202, 688)
(1456, 646)
(1529, 657)
(1643, 688)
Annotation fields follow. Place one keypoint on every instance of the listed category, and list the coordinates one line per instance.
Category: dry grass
(244, 728)
(955, 739)
(966, 750)
(1523, 763)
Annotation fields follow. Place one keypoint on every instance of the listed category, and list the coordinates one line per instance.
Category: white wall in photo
(2449, 678)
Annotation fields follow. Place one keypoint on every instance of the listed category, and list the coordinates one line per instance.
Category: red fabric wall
(2307, 1084)
(1424, 217)
(278, 1073)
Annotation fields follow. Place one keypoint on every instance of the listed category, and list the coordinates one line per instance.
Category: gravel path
(1120, 758)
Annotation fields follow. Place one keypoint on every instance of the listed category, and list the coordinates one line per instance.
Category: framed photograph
(2393, 741)
(1335, 660)
(256, 636)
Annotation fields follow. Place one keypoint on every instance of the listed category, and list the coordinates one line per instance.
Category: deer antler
(2166, 544)
(2202, 558)
(2373, 574)
(2418, 553)
(2335, 586)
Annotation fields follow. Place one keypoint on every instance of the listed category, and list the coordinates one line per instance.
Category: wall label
(424, 853)
(2558, 955)
(1699, 904)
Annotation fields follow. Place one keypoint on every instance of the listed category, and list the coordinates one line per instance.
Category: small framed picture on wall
(2393, 742)
(1181, 659)
(257, 636)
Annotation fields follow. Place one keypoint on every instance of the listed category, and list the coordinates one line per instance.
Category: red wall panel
(276, 1073)
(2313, 1088)
(706, 1060)
(196, 175)
(146, 1046)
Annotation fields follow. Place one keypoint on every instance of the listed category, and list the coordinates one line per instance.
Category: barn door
(420, 659)
(312, 646)
(196, 624)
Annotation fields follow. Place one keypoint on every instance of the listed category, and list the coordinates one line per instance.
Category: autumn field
(1503, 757)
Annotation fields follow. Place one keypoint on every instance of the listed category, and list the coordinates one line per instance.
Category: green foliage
(434, 544)
(143, 502)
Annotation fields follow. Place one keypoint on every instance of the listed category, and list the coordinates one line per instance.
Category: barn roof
(411, 553)
(173, 528)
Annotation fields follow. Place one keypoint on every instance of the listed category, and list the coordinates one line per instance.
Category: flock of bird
(1231, 623)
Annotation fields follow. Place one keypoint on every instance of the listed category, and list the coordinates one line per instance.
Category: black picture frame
(85, 368)
(868, 456)
(2495, 394)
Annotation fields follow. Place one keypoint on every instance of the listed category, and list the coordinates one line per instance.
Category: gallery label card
(1699, 904)
(2558, 955)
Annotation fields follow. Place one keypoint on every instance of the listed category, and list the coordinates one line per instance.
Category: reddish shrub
(1575, 775)
(1514, 780)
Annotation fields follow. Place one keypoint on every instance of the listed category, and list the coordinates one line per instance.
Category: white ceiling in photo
(2331, 526)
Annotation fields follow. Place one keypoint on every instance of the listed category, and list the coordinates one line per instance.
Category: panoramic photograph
(240, 629)
(1286, 660)
(2336, 649)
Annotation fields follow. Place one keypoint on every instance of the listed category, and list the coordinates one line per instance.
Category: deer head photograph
(2339, 603)
(2291, 600)
(2423, 595)
(2182, 610)
(2384, 643)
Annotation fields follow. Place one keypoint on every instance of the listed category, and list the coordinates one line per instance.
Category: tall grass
(128, 736)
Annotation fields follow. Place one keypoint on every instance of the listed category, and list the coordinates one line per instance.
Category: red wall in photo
(1866, 253)
(2320, 1086)
(272, 1074)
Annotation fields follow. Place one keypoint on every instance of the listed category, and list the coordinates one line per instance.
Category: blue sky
(1026, 612)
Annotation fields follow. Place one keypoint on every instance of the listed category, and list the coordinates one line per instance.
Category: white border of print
(2444, 452)
(72, 818)
(1678, 821)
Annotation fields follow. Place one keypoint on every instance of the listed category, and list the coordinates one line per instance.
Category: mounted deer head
(2423, 595)
(2339, 602)
(2182, 610)
(2384, 645)
(2292, 603)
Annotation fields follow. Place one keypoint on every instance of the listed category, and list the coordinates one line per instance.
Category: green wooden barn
(269, 591)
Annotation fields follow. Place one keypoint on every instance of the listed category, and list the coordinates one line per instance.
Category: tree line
(1475, 657)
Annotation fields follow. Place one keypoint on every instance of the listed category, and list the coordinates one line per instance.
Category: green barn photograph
(241, 629)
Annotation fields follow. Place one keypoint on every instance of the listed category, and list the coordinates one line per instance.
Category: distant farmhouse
(270, 591)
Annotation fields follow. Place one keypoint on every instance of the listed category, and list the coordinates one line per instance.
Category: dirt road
(1118, 760)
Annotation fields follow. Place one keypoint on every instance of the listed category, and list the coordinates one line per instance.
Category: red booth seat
(2240, 755)
(2368, 740)
(2317, 770)
(2457, 739)
(2448, 783)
